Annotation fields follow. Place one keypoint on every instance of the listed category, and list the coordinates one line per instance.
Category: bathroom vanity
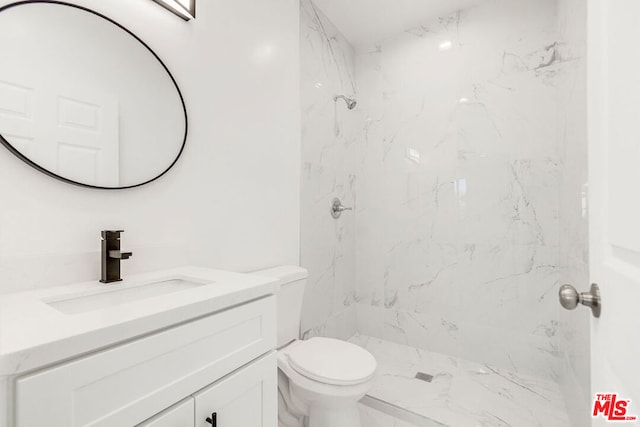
(185, 347)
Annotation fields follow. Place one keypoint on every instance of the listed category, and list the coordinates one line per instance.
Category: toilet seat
(309, 383)
(333, 362)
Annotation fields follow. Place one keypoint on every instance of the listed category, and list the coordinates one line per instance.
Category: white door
(69, 131)
(247, 398)
(614, 205)
(82, 135)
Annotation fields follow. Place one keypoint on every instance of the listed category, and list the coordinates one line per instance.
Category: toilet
(320, 380)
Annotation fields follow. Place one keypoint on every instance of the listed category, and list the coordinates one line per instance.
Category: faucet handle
(117, 254)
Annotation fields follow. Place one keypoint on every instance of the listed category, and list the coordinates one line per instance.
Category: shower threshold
(460, 394)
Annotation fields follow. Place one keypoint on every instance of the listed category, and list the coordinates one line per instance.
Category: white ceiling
(367, 21)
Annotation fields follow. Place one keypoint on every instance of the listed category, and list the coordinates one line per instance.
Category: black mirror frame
(173, 80)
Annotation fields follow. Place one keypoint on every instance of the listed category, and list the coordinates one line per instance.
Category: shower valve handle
(337, 208)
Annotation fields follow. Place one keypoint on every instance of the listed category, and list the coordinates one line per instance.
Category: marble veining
(328, 171)
(462, 393)
(465, 162)
(458, 180)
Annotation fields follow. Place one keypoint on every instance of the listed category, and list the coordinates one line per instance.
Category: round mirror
(83, 99)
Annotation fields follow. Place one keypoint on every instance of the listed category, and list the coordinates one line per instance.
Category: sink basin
(123, 293)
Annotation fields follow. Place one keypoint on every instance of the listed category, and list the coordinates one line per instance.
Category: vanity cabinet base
(127, 384)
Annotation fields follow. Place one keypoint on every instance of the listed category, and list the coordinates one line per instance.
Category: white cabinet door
(179, 415)
(246, 398)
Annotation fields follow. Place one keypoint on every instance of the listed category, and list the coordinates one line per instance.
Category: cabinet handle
(213, 420)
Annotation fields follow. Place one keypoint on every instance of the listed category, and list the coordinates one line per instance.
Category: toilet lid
(332, 361)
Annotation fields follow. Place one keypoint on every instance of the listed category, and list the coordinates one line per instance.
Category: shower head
(351, 103)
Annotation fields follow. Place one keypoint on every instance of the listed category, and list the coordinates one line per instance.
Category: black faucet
(111, 256)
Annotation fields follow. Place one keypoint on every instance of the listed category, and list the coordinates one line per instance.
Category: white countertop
(34, 334)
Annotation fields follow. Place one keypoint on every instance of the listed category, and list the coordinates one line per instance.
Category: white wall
(231, 202)
(328, 171)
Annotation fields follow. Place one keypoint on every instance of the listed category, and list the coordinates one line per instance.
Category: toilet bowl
(326, 379)
(320, 380)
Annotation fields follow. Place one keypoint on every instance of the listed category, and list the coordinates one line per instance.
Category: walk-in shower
(455, 164)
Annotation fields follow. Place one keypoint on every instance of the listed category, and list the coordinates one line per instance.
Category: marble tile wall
(328, 171)
(458, 181)
(574, 336)
(466, 132)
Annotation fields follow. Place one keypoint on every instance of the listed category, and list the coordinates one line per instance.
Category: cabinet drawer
(179, 415)
(127, 384)
(246, 398)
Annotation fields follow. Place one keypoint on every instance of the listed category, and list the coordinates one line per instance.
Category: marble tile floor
(461, 394)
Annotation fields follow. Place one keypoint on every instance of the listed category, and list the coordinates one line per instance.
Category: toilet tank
(292, 282)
